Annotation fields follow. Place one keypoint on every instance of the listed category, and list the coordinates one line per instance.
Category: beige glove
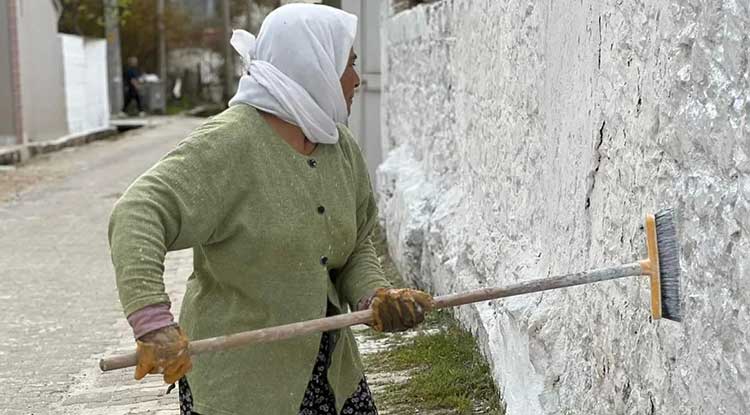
(163, 351)
(399, 309)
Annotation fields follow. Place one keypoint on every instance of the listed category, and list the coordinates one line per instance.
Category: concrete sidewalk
(92, 392)
(58, 300)
(20, 154)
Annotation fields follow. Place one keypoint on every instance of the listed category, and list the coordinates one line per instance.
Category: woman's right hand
(399, 309)
(163, 351)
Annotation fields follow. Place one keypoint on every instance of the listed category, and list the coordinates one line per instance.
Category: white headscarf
(295, 66)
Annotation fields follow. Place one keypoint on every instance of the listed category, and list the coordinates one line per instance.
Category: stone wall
(527, 139)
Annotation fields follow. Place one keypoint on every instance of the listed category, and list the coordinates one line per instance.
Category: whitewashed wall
(528, 138)
(74, 71)
(41, 72)
(97, 90)
(86, 89)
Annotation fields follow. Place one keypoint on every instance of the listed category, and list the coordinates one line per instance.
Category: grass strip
(448, 374)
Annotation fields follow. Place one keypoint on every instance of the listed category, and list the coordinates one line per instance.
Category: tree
(86, 17)
(138, 26)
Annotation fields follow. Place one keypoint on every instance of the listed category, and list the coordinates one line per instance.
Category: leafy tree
(86, 17)
(138, 26)
(139, 30)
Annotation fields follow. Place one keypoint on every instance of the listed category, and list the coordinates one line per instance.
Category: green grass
(178, 106)
(448, 373)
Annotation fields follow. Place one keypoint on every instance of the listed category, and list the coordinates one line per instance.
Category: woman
(274, 198)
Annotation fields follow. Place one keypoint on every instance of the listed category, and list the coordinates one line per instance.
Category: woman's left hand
(399, 309)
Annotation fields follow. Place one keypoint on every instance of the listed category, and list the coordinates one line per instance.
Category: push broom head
(663, 265)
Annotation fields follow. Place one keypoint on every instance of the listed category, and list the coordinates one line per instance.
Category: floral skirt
(318, 399)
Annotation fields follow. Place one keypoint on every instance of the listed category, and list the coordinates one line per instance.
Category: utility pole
(228, 62)
(160, 25)
(15, 73)
(249, 16)
(114, 60)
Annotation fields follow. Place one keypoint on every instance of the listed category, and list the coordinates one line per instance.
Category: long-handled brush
(662, 266)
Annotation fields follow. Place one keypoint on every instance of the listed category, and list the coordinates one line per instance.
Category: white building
(51, 85)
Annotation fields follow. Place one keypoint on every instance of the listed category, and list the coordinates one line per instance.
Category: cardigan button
(312, 163)
(323, 260)
(321, 209)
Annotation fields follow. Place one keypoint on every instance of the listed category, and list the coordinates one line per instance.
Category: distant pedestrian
(274, 197)
(132, 86)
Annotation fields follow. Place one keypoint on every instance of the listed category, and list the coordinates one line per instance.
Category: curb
(19, 154)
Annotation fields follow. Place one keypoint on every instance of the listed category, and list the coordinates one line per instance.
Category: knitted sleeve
(362, 273)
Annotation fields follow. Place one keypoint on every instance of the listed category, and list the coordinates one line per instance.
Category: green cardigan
(276, 235)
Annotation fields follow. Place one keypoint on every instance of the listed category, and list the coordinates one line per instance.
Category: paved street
(58, 301)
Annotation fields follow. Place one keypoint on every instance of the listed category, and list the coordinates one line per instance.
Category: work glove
(399, 309)
(163, 351)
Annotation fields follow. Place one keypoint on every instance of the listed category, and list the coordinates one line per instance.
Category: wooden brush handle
(287, 331)
(245, 338)
(538, 285)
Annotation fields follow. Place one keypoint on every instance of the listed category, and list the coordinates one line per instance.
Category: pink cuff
(150, 318)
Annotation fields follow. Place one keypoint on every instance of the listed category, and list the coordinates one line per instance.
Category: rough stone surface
(528, 139)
